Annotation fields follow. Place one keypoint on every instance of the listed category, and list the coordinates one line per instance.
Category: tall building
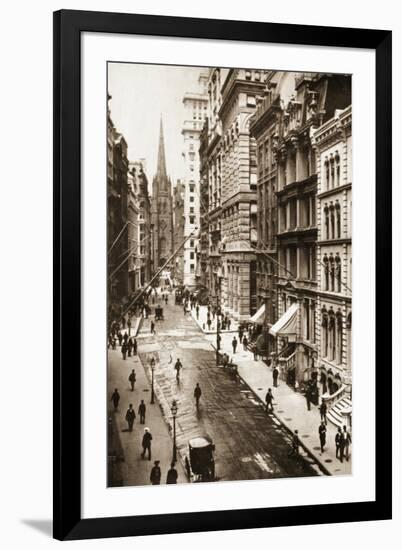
(211, 168)
(162, 216)
(238, 192)
(333, 143)
(203, 242)
(195, 108)
(263, 127)
(178, 229)
(304, 101)
(143, 203)
(132, 230)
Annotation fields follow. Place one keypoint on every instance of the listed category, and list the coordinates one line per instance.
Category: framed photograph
(210, 178)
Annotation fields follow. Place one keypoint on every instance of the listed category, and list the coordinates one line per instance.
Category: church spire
(161, 167)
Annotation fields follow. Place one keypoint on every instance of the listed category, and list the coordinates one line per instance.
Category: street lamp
(152, 381)
(173, 409)
(217, 330)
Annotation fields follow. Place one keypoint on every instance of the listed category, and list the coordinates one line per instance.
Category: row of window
(332, 272)
(332, 170)
(332, 220)
(331, 335)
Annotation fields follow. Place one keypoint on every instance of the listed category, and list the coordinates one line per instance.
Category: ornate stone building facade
(333, 143)
(238, 193)
(304, 101)
(162, 216)
(178, 229)
(195, 108)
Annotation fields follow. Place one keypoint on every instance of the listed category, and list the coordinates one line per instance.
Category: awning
(258, 317)
(286, 325)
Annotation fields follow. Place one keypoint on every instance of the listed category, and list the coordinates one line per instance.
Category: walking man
(269, 400)
(347, 440)
(338, 437)
(245, 343)
(130, 416)
(124, 350)
(171, 475)
(197, 311)
(322, 432)
(130, 346)
(275, 374)
(209, 323)
(178, 366)
(146, 443)
(141, 411)
(153, 328)
(132, 378)
(197, 395)
(323, 411)
(156, 474)
(115, 399)
(134, 346)
(234, 344)
(308, 399)
(228, 322)
(129, 325)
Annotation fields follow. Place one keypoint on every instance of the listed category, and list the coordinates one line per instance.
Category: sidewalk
(202, 322)
(290, 407)
(135, 470)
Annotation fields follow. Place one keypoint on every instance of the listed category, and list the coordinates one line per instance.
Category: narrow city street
(249, 443)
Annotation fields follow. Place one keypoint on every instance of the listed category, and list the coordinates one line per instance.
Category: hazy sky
(140, 94)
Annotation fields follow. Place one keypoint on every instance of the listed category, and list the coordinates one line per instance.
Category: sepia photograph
(229, 274)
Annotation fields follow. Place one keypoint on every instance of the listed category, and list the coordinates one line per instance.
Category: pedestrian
(115, 399)
(114, 343)
(228, 322)
(197, 311)
(209, 323)
(132, 378)
(120, 337)
(295, 444)
(245, 343)
(166, 299)
(134, 346)
(130, 417)
(129, 325)
(197, 394)
(308, 398)
(218, 341)
(141, 412)
(322, 432)
(323, 411)
(129, 346)
(156, 474)
(123, 322)
(346, 440)
(171, 475)
(125, 338)
(153, 328)
(146, 443)
(124, 350)
(240, 333)
(338, 437)
(234, 344)
(275, 374)
(269, 398)
(178, 366)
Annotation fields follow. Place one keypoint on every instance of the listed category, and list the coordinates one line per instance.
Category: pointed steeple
(161, 167)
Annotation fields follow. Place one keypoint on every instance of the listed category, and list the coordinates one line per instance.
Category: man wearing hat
(156, 474)
(146, 443)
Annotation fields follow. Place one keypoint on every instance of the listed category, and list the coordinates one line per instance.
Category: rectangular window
(191, 198)
(192, 187)
(191, 255)
(191, 268)
(192, 243)
(191, 209)
(192, 219)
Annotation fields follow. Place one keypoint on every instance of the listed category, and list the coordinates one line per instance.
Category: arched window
(349, 321)
(326, 272)
(331, 335)
(338, 272)
(326, 221)
(332, 220)
(338, 168)
(339, 337)
(338, 219)
(324, 332)
(332, 273)
(332, 168)
(326, 165)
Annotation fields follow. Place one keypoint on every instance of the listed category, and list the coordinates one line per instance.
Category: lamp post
(152, 381)
(173, 409)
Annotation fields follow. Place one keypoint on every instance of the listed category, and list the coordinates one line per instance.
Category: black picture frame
(68, 27)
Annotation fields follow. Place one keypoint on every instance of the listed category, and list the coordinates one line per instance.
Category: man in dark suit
(130, 416)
